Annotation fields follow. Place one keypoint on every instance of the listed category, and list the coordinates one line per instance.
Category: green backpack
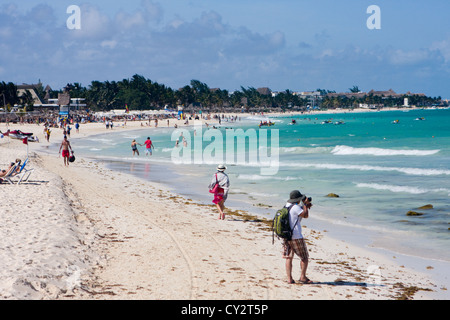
(281, 225)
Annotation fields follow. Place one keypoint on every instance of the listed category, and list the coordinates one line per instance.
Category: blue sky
(299, 45)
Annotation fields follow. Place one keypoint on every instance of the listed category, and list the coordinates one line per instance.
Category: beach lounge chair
(9, 174)
(23, 172)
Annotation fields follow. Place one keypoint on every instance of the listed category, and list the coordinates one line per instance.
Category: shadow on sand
(347, 283)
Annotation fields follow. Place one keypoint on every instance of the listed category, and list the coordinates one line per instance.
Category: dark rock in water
(408, 222)
(414, 213)
(332, 195)
(426, 207)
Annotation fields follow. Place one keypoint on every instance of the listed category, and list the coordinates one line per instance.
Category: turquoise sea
(380, 170)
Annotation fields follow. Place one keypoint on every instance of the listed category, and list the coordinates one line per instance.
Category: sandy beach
(86, 232)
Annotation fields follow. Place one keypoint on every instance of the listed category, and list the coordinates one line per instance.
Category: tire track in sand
(89, 198)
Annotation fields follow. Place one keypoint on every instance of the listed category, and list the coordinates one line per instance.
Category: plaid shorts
(297, 246)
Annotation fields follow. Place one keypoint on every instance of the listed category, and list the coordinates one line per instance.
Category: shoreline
(121, 231)
(365, 239)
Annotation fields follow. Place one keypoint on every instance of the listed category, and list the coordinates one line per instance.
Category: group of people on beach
(298, 206)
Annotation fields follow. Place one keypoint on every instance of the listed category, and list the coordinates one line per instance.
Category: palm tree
(355, 89)
(10, 93)
(26, 99)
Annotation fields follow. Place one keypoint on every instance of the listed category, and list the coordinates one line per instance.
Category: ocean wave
(404, 189)
(346, 150)
(360, 226)
(263, 118)
(305, 150)
(332, 166)
(257, 177)
(111, 142)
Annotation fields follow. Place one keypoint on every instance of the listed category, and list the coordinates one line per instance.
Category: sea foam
(346, 150)
(404, 189)
(332, 166)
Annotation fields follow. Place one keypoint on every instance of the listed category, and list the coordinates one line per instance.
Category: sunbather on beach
(5, 171)
(12, 164)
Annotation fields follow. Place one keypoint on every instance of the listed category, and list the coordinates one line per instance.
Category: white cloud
(94, 24)
(125, 21)
(152, 10)
(401, 57)
(443, 47)
(203, 44)
(111, 44)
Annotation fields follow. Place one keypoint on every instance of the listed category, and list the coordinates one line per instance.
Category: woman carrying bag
(219, 186)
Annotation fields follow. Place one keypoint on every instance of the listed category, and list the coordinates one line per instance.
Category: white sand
(86, 232)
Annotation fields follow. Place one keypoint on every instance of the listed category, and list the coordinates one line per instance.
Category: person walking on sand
(134, 147)
(148, 146)
(45, 133)
(220, 185)
(65, 145)
(47, 136)
(297, 245)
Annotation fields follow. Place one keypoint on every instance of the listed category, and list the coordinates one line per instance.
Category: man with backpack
(298, 206)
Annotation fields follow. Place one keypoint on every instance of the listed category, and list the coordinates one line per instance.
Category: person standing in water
(134, 147)
(148, 146)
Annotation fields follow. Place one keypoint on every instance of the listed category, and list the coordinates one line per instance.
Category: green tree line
(139, 93)
(370, 99)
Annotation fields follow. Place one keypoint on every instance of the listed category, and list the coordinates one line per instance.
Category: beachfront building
(313, 98)
(264, 91)
(376, 99)
(41, 99)
(75, 104)
(386, 94)
(35, 103)
(31, 90)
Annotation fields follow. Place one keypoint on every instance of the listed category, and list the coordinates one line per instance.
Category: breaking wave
(332, 166)
(405, 189)
(346, 150)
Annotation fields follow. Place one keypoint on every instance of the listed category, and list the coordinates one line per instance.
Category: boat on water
(326, 121)
(395, 121)
(420, 118)
(266, 124)
(339, 122)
